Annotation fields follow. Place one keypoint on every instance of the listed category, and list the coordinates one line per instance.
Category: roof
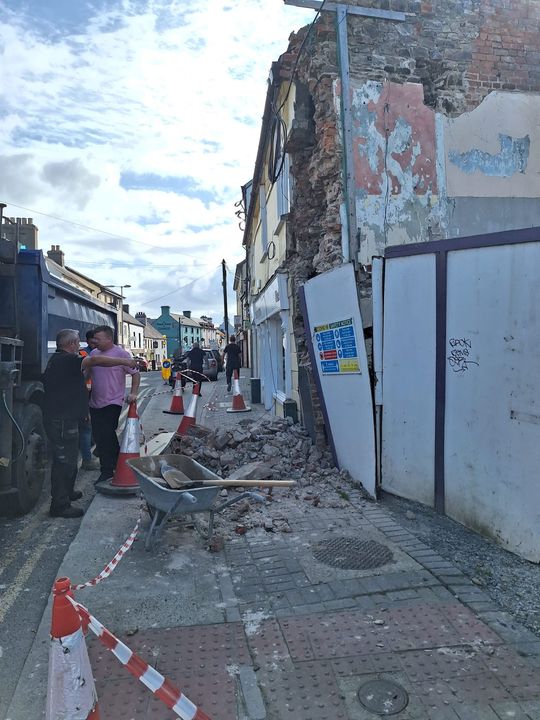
(131, 320)
(151, 332)
(190, 322)
(96, 282)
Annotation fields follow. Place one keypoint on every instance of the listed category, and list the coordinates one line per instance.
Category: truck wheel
(30, 469)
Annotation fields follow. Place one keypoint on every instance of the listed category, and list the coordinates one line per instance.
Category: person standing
(196, 359)
(65, 404)
(107, 398)
(233, 358)
(85, 426)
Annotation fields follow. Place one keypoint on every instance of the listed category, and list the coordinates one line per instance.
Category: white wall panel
(492, 424)
(331, 297)
(409, 377)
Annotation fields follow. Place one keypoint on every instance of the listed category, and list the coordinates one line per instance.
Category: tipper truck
(34, 306)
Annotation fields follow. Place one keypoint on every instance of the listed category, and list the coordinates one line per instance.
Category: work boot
(228, 387)
(103, 477)
(75, 495)
(90, 464)
(67, 512)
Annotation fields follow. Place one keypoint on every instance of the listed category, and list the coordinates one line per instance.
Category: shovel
(176, 479)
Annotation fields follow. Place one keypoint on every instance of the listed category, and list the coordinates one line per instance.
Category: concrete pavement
(291, 624)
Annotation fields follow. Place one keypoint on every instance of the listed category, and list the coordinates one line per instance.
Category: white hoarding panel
(335, 331)
(492, 422)
(408, 434)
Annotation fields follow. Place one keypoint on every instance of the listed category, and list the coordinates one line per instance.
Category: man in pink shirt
(107, 397)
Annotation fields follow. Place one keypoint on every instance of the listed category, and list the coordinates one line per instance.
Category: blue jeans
(85, 439)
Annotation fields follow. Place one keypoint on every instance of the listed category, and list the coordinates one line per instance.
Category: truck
(34, 306)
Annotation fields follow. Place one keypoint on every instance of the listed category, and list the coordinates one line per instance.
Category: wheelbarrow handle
(184, 495)
(253, 495)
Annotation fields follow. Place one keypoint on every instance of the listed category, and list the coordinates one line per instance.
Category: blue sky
(140, 118)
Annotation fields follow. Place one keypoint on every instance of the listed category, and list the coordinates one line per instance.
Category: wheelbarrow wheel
(205, 531)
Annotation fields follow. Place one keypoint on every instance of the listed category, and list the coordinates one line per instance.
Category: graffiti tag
(459, 355)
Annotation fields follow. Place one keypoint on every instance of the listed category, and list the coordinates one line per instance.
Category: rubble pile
(269, 448)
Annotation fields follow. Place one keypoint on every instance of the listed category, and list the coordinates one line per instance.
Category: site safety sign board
(337, 348)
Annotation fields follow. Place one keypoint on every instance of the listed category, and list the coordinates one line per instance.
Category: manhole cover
(383, 697)
(352, 553)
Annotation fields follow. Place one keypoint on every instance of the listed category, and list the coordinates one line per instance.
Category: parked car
(210, 364)
(142, 365)
(219, 359)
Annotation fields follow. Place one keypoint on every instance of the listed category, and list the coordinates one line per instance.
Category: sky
(138, 121)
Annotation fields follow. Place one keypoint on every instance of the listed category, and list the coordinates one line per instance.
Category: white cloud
(169, 88)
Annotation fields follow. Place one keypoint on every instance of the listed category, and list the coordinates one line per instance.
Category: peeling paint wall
(413, 166)
(494, 150)
(395, 165)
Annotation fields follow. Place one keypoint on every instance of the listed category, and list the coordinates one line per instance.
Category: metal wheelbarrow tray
(164, 503)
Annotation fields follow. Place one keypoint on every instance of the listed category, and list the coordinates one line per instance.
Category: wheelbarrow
(164, 503)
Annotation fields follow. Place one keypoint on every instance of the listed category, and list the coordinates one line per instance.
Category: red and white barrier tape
(173, 698)
(109, 567)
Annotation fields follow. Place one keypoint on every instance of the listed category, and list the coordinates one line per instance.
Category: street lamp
(121, 309)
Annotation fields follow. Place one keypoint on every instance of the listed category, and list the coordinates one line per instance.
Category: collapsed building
(386, 123)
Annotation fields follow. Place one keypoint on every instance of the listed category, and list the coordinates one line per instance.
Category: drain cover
(352, 553)
(383, 697)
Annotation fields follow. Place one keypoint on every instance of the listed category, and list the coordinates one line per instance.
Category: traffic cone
(71, 692)
(177, 402)
(238, 404)
(189, 418)
(124, 481)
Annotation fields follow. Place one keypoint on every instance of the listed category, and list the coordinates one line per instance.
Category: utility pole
(224, 269)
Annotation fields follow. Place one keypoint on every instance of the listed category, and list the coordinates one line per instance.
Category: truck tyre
(30, 469)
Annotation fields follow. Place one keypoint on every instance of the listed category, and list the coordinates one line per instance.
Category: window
(283, 189)
(264, 219)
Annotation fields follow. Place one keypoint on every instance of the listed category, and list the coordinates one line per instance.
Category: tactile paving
(308, 691)
(468, 626)
(367, 664)
(268, 644)
(200, 660)
(442, 663)
(482, 688)
(125, 698)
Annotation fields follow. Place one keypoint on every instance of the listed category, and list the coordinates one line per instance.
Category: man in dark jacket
(196, 358)
(65, 404)
(233, 357)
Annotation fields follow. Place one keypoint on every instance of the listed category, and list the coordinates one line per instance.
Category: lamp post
(121, 309)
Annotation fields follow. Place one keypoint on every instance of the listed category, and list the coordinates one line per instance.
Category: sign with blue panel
(337, 349)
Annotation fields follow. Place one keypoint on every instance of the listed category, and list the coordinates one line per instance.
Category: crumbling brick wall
(458, 50)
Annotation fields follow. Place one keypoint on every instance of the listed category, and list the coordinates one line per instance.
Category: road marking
(10, 555)
(16, 587)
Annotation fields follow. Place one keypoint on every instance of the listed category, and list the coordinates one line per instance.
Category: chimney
(141, 317)
(165, 309)
(125, 308)
(186, 313)
(23, 231)
(56, 254)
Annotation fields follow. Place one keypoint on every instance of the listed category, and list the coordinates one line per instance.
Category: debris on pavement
(269, 449)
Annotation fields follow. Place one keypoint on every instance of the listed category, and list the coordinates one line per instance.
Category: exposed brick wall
(459, 50)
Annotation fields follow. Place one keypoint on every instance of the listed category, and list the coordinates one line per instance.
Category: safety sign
(337, 348)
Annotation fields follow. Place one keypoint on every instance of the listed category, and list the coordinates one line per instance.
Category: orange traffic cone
(124, 481)
(238, 404)
(189, 418)
(71, 692)
(177, 402)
